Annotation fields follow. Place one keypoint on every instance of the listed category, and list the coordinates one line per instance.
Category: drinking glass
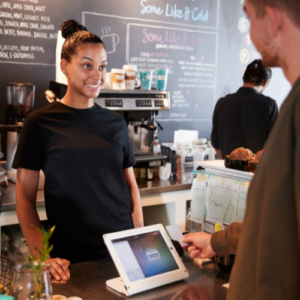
(162, 79)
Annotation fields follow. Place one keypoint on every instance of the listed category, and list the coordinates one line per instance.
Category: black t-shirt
(83, 153)
(243, 119)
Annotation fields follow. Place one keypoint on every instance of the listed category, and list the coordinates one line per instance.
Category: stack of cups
(118, 79)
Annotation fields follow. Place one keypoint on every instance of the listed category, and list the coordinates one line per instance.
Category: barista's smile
(93, 87)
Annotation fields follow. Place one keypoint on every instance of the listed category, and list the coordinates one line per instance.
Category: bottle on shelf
(156, 146)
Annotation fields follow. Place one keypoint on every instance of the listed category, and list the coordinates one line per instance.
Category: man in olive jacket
(267, 264)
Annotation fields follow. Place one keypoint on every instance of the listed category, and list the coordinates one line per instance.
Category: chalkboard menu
(205, 44)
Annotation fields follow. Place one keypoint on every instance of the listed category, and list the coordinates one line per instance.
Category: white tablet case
(122, 284)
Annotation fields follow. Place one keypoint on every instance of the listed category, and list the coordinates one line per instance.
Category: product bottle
(156, 146)
(178, 166)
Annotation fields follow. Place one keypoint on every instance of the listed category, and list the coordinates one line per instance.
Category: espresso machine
(139, 109)
(20, 100)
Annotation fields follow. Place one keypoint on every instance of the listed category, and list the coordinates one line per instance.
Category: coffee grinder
(20, 100)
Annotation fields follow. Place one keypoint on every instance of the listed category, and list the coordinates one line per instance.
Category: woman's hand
(59, 269)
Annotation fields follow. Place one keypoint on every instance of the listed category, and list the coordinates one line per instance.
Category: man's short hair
(292, 7)
(257, 74)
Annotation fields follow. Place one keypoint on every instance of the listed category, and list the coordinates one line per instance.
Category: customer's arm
(204, 245)
(26, 190)
(226, 241)
(137, 212)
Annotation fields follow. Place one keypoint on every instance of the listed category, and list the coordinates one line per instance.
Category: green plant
(36, 265)
(45, 250)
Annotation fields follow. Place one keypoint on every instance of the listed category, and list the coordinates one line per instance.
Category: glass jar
(31, 281)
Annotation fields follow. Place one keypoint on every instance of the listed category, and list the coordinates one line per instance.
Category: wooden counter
(88, 282)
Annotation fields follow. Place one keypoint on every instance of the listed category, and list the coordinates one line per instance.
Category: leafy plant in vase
(36, 265)
(31, 281)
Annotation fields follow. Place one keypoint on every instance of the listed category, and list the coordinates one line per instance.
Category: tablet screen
(144, 255)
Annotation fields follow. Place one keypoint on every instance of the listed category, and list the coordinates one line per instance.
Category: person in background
(267, 264)
(85, 153)
(245, 118)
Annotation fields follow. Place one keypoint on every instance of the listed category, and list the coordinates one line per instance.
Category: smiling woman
(85, 153)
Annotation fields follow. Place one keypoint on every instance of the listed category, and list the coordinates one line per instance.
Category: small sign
(243, 25)
(248, 41)
(244, 56)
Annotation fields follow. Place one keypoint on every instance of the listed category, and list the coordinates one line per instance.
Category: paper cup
(130, 76)
(118, 79)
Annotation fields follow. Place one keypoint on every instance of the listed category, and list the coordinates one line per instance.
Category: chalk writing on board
(150, 9)
(207, 17)
(105, 30)
(173, 11)
(192, 73)
(27, 24)
(111, 40)
(172, 37)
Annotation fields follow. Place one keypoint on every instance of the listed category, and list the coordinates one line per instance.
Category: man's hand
(200, 246)
(59, 269)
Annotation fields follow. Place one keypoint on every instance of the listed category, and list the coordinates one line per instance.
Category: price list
(27, 34)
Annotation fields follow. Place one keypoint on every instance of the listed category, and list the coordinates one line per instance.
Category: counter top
(88, 282)
(162, 186)
(145, 187)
